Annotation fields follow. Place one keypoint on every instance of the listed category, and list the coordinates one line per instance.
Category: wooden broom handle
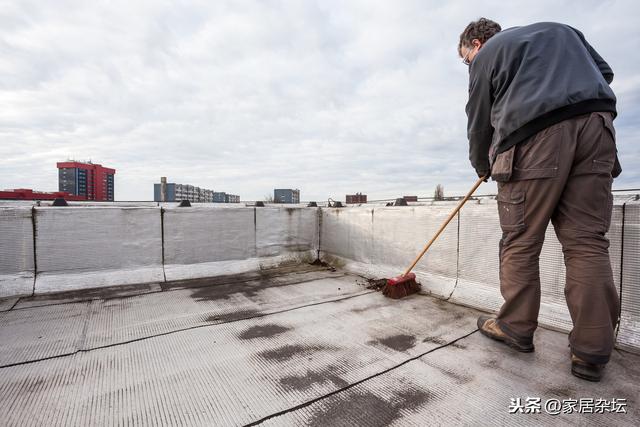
(444, 225)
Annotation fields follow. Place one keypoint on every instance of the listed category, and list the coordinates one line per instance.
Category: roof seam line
(14, 304)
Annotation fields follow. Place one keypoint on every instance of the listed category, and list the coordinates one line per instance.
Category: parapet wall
(17, 268)
(53, 249)
(205, 242)
(462, 265)
(94, 247)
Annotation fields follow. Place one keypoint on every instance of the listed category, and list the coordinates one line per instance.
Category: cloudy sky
(331, 97)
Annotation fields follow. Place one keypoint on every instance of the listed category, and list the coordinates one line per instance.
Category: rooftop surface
(298, 345)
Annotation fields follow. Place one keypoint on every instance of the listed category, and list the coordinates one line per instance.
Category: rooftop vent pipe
(163, 188)
(59, 201)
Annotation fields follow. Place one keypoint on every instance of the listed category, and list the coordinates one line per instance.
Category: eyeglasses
(466, 60)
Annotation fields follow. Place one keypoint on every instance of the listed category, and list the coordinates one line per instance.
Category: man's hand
(484, 174)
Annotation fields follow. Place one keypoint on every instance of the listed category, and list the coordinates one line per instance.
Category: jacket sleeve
(479, 129)
(604, 68)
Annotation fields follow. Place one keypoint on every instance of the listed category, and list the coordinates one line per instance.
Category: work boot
(585, 370)
(490, 328)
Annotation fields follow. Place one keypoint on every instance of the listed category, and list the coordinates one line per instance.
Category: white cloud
(245, 96)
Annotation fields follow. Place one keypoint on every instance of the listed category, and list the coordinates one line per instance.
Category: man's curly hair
(482, 29)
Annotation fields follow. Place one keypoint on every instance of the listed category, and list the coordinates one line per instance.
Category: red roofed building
(28, 194)
(92, 181)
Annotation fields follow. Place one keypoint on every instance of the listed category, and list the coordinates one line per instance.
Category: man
(540, 122)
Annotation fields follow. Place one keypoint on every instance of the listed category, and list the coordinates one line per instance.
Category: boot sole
(577, 371)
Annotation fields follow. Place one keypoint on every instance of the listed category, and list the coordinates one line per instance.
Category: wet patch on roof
(367, 408)
(441, 341)
(435, 340)
(412, 398)
(227, 291)
(367, 308)
(400, 342)
(232, 316)
(310, 378)
(458, 315)
(289, 351)
(251, 289)
(282, 270)
(105, 293)
(358, 408)
(492, 363)
(263, 331)
(35, 382)
(230, 279)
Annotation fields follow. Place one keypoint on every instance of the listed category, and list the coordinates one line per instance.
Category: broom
(405, 284)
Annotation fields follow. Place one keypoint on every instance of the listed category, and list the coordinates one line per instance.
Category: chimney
(163, 189)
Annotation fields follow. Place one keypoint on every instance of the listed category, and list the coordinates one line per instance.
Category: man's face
(469, 52)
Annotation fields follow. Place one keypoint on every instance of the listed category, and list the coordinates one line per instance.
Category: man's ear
(476, 43)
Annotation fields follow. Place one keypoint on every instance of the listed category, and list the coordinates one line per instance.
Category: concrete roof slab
(312, 347)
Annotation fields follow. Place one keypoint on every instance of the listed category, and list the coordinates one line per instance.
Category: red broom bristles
(401, 286)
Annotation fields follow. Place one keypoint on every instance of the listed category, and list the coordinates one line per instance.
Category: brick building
(88, 180)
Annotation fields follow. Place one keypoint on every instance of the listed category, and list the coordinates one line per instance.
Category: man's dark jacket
(525, 79)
